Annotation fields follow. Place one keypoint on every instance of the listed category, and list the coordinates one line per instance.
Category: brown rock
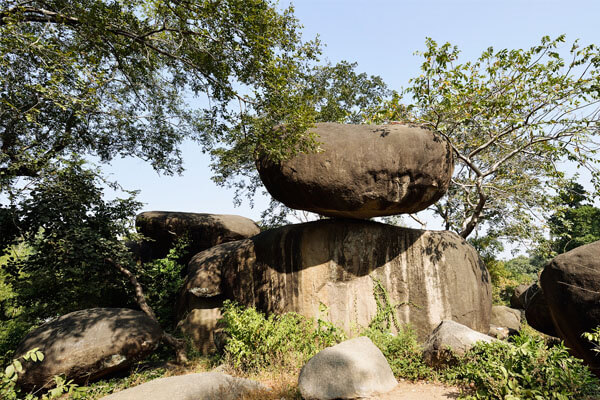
(85, 345)
(537, 312)
(571, 283)
(515, 299)
(203, 231)
(363, 171)
(430, 276)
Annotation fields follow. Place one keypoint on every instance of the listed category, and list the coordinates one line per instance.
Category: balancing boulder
(363, 171)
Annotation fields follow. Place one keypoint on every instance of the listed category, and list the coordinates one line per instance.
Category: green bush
(161, 280)
(256, 342)
(523, 369)
(402, 351)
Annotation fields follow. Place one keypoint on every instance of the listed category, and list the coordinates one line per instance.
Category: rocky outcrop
(202, 386)
(85, 345)
(571, 284)
(450, 340)
(537, 312)
(202, 230)
(506, 317)
(430, 276)
(352, 369)
(363, 171)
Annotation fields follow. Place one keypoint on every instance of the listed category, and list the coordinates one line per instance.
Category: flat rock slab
(450, 335)
(85, 345)
(202, 230)
(571, 285)
(352, 369)
(343, 264)
(363, 171)
(201, 386)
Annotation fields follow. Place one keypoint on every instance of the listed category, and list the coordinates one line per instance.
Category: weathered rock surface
(363, 171)
(537, 312)
(87, 344)
(499, 332)
(201, 386)
(431, 276)
(571, 283)
(454, 336)
(203, 230)
(352, 369)
(506, 317)
(200, 323)
(515, 300)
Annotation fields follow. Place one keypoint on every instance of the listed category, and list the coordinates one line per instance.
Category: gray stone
(571, 284)
(506, 317)
(363, 171)
(352, 369)
(203, 231)
(449, 340)
(85, 345)
(431, 276)
(201, 386)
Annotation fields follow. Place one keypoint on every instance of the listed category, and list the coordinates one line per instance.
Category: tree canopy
(511, 117)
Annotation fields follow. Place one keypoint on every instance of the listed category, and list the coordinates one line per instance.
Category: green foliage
(511, 116)
(162, 279)
(574, 223)
(524, 369)
(403, 352)
(256, 342)
(8, 380)
(71, 232)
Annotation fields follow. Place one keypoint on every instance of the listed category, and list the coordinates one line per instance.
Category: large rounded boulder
(571, 284)
(537, 312)
(346, 265)
(85, 345)
(202, 231)
(363, 171)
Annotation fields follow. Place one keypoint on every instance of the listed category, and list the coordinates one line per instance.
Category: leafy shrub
(161, 280)
(525, 369)
(256, 342)
(402, 352)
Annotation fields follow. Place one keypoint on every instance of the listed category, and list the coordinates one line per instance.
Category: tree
(109, 78)
(511, 117)
(574, 223)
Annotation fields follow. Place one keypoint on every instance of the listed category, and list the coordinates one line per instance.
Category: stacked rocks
(361, 172)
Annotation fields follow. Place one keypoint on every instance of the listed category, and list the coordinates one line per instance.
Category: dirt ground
(420, 391)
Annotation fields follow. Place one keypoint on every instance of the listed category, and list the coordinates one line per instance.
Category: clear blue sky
(381, 35)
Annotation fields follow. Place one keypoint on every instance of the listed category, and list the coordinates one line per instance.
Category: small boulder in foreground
(352, 369)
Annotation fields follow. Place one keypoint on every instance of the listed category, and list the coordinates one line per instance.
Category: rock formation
(203, 231)
(537, 312)
(363, 171)
(431, 276)
(571, 283)
(85, 345)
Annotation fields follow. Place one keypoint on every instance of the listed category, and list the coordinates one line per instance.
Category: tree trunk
(177, 344)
